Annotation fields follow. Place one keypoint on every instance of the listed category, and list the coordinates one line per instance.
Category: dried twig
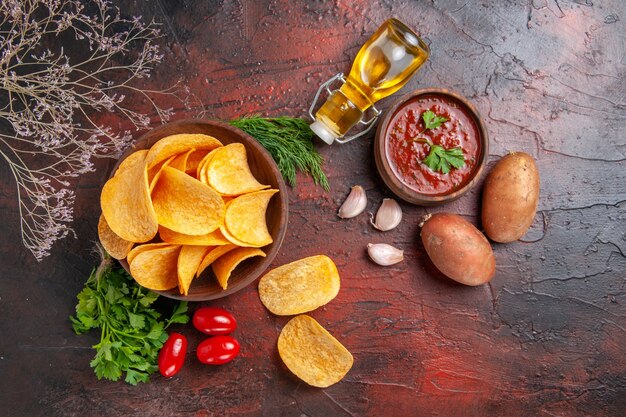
(50, 92)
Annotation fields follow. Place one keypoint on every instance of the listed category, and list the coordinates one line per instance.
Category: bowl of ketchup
(431, 147)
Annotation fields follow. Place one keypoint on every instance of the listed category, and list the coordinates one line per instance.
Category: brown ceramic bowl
(265, 170)
(386, 169)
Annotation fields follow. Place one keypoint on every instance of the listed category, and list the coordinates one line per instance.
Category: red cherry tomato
(214, 321)
(172, 354)
(217, 350)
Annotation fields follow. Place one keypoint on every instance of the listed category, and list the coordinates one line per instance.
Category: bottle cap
(322, 131)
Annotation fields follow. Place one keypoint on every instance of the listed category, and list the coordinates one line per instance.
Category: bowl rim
(282, 195)
(386, 171)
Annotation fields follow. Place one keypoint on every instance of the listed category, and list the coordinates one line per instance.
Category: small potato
(458, 249)
(510, 197)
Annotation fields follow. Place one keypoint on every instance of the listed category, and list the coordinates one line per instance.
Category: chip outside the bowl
(185, 205)
(156, 269)
(312, 353)
(225, 264)
(300, 286)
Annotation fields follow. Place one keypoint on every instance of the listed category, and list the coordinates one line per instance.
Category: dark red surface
(545, 338)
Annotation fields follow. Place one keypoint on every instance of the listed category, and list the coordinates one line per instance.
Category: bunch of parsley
(132, 332)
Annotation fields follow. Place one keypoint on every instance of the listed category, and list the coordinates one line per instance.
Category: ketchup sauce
(406, 154)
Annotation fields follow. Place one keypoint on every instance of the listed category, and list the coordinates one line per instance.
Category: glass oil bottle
(382, 66)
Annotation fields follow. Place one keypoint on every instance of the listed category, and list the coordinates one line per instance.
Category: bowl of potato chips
(197, 210)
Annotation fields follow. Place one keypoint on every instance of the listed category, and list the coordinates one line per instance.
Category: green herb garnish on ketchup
(439, 158)
(431, 120)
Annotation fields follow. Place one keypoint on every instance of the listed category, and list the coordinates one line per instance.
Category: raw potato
(458, 249)
(510, 197)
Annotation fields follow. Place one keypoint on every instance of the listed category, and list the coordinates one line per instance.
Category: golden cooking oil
(382, 66)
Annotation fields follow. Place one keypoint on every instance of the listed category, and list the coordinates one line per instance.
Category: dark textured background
(545, 338)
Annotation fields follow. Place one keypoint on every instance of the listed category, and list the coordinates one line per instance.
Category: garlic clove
(388, 216)
(384, 254)
(354, 204)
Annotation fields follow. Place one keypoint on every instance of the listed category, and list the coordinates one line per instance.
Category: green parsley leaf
(131, 332)
(440, 159)
(431, 120)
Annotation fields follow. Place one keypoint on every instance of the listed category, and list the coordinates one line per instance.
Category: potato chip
(194, 160)
(203, 165)
(180, 161)
(215, 238)
(131, 159)
(224, 265)
(175, 144)
(313, 354)
(188, 261)
(142, 248)
(228, 171)
(185, 205)
(245, 218)
(115, 246)
(300, 286)
(154, 173)
(156, 269)
(126, 203)
(212, 255)
(232, 239)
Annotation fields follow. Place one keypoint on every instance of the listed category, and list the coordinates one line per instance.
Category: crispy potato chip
(228, 171)
(212, 255)
(215, 238)
(180, 161)
(131, 159)
(126, 205)
(156, 269)
(193, 161)
(115, 246)
(300, 286)
(188, 261)
(185, 205)
(154, 173)
(203, 165)
(224, 265)
(142, 248)
(232, 239)
(313, 354)
(245, 218)
(175, 144)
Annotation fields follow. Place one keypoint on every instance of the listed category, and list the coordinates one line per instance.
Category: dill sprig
(288, 140)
